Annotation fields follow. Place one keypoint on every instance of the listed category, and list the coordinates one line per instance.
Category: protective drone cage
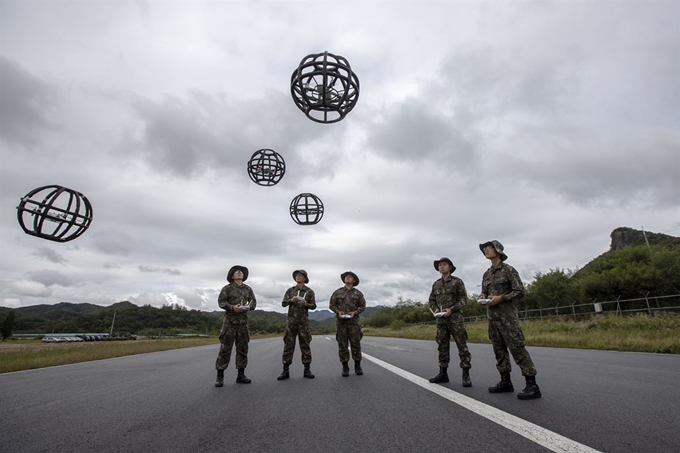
(54, 213)
(324, 87)
(306, 209)
(266, 167)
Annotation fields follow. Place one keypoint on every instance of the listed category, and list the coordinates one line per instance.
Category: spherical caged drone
(54, 213)
(266, 167)
(324, 87)
(306, 209)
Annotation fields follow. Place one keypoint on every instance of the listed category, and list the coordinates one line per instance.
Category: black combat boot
(345, 369)
(241, 378)
(466, 378)
(505, 385)
(285, 374)
(357, 367)
(443, 376)
(220, 378)
(531, 391)
(308, 373)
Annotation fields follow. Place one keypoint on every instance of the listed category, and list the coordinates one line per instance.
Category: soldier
(347, 303)
(299, 299)
(448, 296)
(502, 285)
(237, 299)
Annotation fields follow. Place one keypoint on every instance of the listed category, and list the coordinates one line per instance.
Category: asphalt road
(167, 402)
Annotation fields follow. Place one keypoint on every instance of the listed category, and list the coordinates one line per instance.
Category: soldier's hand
(352, 313)
(235, 308)
(340, 314)
(448, 313)
(495, 300)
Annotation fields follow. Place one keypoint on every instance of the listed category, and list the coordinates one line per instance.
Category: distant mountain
(62, 311)
(121, 305)
(320, 315)
(370, 311)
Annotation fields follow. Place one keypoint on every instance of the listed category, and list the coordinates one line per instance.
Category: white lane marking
(550, 440)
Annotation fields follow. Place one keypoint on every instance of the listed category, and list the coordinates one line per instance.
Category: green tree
(7, 326)
(548, 290)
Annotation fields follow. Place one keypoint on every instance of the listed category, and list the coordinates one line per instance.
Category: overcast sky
(543, 124)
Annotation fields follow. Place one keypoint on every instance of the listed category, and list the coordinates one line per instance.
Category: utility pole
(112, 321)
(646, 241)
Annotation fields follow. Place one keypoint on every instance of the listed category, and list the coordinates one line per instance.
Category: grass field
(640, 333)
(29, 354)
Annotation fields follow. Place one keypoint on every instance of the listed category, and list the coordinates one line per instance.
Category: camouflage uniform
(504, 329)
(450, 294)
(348, 330)
(298, 324)
(234, 325)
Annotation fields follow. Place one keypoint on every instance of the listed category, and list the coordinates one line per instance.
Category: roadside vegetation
(637, 333)
(30, 354)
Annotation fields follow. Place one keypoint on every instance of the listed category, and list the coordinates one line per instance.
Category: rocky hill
(628, 237)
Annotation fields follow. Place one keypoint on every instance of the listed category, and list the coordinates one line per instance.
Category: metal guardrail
(647, 304)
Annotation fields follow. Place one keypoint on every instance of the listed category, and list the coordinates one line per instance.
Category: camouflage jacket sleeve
(310, 297)
(485, 284)
(461, 296)
(516, 286)
(333, 303)
(361, 303)
(288, 296)
(253, 301)
(432, 300)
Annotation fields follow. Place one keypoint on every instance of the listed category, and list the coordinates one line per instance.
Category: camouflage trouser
(304, 336)
(349, 332)
(505, 333)
(233, 333)
(444, 333)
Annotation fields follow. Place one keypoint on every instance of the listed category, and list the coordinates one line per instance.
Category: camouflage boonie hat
(345, 274)
(303, 272)
(496, 245)
(445, 259)
(230, 274)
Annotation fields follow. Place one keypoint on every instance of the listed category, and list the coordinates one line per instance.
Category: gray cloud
(623, 172)
(166, 270)
(187, 135)
(416, 131)
(29, 289)
(25, 101)
(51, 278)
(49, 254)
(113, 242)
